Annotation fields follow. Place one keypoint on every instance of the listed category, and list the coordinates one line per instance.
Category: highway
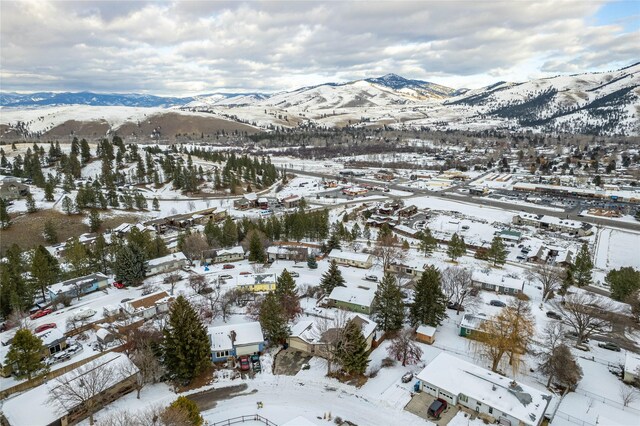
(466, 198)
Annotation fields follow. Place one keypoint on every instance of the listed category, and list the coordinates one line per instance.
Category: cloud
(193, 47)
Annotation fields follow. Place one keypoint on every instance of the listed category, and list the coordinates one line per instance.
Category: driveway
(289, 361)
(420, 403)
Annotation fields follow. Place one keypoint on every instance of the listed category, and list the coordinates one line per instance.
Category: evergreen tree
(50, 232)
(333, 242)
(5, 220)
(366, 234)
(311, 262)
(186, 347)
(428, 302)
(332, 278)
(457, 247)
(68, 205)
(156, 204)
(287, 294)
(31, 203)
(77, 255)
(623, 282)
(256, 249)
(352, 350)
(15, 294)
(45, 269)
(497, 251)
(582, 267)
(130, 265)
(273, 319)
(25, 354)
(48, 191)
(94, 220)
(229, 235)
(428, 243)
(387, 306)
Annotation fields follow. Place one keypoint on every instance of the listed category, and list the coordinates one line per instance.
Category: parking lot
(420, 403)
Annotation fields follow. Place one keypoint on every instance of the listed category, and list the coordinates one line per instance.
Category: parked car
(294, 274)
(40, 313)
(228, 266)
(84, 314)
(554, 315)
(406, 378)
(437, 407)
(583, 347)
(245, 365)
(225, 277)
(255, 362)
(43, 327)
(371, 278)
(609, 346)
(498, 303)
(75, 349)
(245, 273)
(455, 306)
(118, 284)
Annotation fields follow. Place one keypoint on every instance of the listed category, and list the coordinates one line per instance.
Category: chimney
(232, 336)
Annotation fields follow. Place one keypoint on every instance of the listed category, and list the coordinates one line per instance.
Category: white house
(150, 305)
(353, 298)
(34, 408)
(349, 258)
(492, 396)
(496, 282)
(631, 367)
(234, 254)
(167, 263)
(234, 340)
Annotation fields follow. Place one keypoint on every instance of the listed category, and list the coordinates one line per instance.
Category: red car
(228, 266)
(245, 365)
(41, 313)
(118, 284)
(245, 273)
(44, 327)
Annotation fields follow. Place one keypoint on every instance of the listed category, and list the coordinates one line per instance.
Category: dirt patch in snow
(207, 399)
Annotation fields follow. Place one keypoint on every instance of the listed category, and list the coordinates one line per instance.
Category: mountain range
(596, 103)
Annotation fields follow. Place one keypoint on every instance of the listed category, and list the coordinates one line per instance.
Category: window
(222, 354)
(490, 410)
(463, 398)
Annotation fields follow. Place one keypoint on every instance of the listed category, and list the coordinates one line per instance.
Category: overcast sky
(186, 48)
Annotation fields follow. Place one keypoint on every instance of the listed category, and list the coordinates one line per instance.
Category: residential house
(233, 340)
(78, 286)
(149, 306)
(498, 283)
(408, 211)
(257, 282)
(290, 202)
(349, 258)
(353, 298)
(34, 407)
(311, 335)
(493, 397)
(426, 334)
(263, 203)
(12, 188)
(168, 263)
(289, 252)
(234, 254)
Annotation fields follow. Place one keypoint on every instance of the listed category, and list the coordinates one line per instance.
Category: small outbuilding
(426, 334)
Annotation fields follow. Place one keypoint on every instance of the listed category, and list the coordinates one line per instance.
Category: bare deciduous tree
(84, 387)
(197, 283)
(404, 348)
(194, 245)
(149, 368)
(172, 280)
(389, 252)
(330, 332)
(585, 313)
(456, 285)
(549, 278)
(628, 394)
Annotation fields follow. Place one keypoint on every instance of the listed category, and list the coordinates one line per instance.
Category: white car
(84, 314)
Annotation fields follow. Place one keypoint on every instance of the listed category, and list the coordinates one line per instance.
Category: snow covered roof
(551, 220)
(232, 250)
(356, 295)
(473, 321)
(32, 407)
(246, 334)
(253, 279)
(300, 421)
(279, 250)
(457, 376)
(179, 256)
(426, 330)
(496, 279)
(262, 200)
(307, 330)
(70, 284)
(631, 363)
(50, 336)
(252, 196)
(406, 229)
(349, 255)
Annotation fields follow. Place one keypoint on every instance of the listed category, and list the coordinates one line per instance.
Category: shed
(426, 334)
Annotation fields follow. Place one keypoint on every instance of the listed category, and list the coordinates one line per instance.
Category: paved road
(483, 202)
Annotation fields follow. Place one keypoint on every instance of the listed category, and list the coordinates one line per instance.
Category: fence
(242, 419)
(572, 419)
(607, 401)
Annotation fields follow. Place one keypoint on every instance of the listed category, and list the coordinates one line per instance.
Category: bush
(189, 408)
(388, 362)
